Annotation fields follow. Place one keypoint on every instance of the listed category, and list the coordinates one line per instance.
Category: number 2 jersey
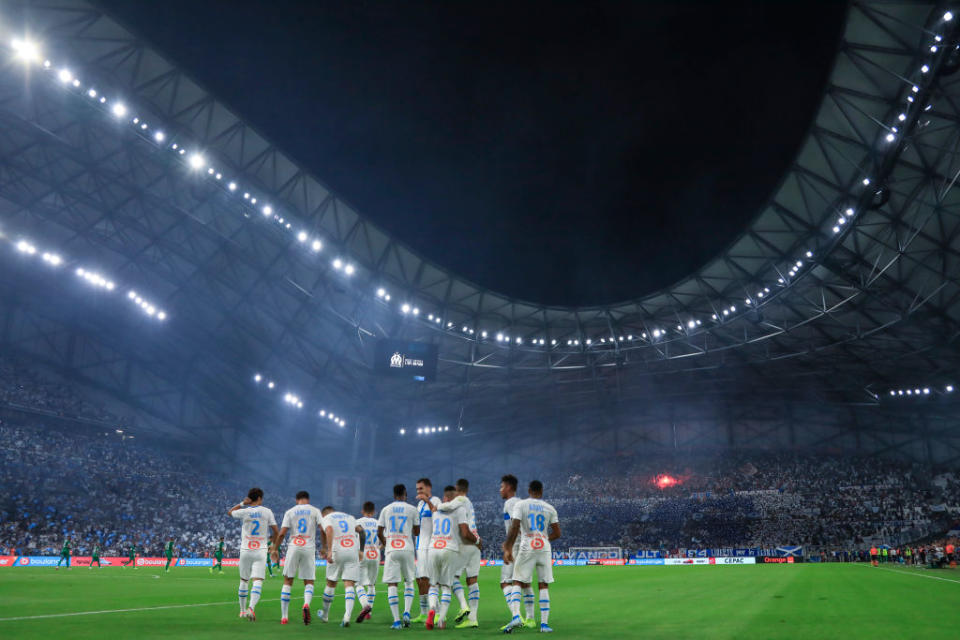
(255, 530)
(301, 522)
(535, 518)
(344, 532)
(398, 520)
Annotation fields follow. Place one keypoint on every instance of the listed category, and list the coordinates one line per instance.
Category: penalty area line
(915, 575)
(95, 613)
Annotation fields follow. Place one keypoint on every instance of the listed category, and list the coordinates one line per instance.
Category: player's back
(255, 527)
(398, 520)
(535, 518)
(344, 528)
(369, 526)
(446, 529)
(301, 521)
(426, 523)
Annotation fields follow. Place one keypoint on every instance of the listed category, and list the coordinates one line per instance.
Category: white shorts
(443, 565)
(527, 561)
(345, 566)
(506, 570)
(423, 563)
(370, 566)
(399, 567)
(300, 563)
(253, 565)
(469, 561)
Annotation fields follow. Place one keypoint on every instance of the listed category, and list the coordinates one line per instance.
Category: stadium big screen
(410, 360)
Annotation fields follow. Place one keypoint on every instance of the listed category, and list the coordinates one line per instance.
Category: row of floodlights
(29, 52)
(294, 400)
(925, 391)
(423, 431)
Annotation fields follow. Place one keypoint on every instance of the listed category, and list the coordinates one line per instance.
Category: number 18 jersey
(535, 518)
(301, 522)
(398, 520)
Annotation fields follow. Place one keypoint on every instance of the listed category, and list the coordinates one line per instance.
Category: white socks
(408, 593)
(362, 598)
(255, 593)
(242, 595)
(528, 601)
(394, 601)
(458, 591)
(350, 598)
(308, 594)
(507, 593)
(474, 600)
(444, 603)
(371, 594)
(514, 601)
(285, 601)
(424, 603)
(544, 606)
(327, 599)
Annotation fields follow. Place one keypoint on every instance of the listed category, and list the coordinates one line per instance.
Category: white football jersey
(398, 520)
(535, 518)
(426, 523)
(508, 506)
(301, 522)
(371, 541)
(470, 517)
(446, 529)
(255, 530)
(345, 536)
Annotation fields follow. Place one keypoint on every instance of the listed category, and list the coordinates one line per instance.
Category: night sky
(557, 152)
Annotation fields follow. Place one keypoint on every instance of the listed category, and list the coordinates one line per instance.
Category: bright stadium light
(160, 136)
(26, 50)
(338, 264)
(197, 161)
(949, 388)
(65, 76)
(403, 432)
(892, 392)
(232, 186)
(349, 269)
(323, 413)
(382, 292)
(317, 245)
(948, 16)
(405, 308)
(268, 210)
(257, 378)
(302, 236)
(926, 391)
(416, 312)
(119, 109)
(270, 385)
(925, 68)
(891, 137)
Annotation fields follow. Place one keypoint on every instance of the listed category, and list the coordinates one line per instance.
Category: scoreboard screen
(411, 360)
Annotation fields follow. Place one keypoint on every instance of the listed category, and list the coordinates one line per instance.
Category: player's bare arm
(325, 551)
(466, 535)
(363, 537)
(382, 537)
(246, 502)
(509, 542)
(554, 531)
(416, 530)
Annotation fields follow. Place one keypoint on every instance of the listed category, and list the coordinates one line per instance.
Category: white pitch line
(94, 613)
(906, 572)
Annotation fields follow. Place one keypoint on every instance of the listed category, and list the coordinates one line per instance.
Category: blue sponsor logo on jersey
(506, 516)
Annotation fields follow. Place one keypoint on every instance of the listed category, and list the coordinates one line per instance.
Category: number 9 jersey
(535, 518)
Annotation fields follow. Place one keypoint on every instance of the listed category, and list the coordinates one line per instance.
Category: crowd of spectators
(96, 485)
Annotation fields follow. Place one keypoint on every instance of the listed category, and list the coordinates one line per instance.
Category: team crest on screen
(396, 360)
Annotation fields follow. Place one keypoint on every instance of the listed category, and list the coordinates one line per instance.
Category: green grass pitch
(794, 601)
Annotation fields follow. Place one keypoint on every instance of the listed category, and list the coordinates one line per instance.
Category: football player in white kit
(469, 559)
(301, 561)
(399, 524)
(342, 547)
(538, 523)
(370, 564)
(508, 491)
(258, 526)
(425, 495)
(449, 530)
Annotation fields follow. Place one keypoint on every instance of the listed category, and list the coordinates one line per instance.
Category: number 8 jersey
(256, 527)
(301, 522)
(535, 518)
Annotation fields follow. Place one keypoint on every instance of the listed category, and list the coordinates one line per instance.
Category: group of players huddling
(430, 545)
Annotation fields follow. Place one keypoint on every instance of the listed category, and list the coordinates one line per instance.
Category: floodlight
(949, 388)
(270, 385)
(382, 292)
(924, 68)
(267, 210)
(317, 245)
(483, 335)
(926, 391)
(119, 109)
(403, 431)
(691, 324)
(338, 264)
(65, 76)
(349, 269)
(836, 229)
(405, 308)
(302, 236)
(26, 50)
(232, 186)
(92, 93)
(948, 16)
(891, 137)
(257, 378)
(197, 161)
(892, 392)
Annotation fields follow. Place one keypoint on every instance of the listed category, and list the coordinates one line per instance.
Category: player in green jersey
(218, 554)
(131, 556)
(270, 563)
(96, 556)
(64, 553)
(168, 552)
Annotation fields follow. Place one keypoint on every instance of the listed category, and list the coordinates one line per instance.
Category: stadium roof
(844, 287)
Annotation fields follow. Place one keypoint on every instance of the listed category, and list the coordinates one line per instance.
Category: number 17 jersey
(301, 522)
(398, 520)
